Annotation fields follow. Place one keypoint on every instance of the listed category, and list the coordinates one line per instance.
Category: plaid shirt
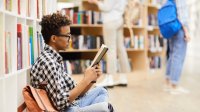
(49, 67)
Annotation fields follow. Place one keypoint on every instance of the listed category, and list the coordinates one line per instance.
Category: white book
(81, 40)
(136, 42)
(71, 15)
(98, 42)
(102, 51)
(141, 42)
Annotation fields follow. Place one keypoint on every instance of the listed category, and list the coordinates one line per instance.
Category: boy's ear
(53, 38)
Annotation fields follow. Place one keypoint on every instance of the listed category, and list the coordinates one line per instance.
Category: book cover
(101, 52)
(7, 52)
(38, 43)
(28, 8)
(19, 6)
(31, 44)
(19, 46)
(136, 42)
(37, 6)
(80, 38)
(42, 43)
(75, 19)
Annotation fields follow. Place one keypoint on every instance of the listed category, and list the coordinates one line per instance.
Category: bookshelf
(139, 56)
(19, 20)
(157, 49)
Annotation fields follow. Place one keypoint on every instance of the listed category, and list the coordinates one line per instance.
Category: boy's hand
(98, 70)
(91, 74)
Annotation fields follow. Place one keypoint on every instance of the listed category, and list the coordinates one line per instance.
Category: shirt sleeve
(58, 93)
(72, 84)
(182, 11)
(106, 5)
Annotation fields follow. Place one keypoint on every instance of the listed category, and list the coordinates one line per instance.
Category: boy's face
(63, 38)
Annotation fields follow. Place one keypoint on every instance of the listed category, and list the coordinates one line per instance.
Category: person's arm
(62, 96)
(182, 11)
(91, 74)
(104, 6)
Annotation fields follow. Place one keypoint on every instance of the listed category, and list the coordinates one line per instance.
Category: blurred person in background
(177, 51)
(113, 22)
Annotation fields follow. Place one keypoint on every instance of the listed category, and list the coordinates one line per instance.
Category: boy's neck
(54, 47)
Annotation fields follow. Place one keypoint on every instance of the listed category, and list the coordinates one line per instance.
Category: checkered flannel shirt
(49, 67)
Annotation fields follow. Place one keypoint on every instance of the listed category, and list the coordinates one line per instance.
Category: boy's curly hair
(51, 25)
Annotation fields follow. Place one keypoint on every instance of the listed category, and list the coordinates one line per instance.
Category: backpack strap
(41, 100)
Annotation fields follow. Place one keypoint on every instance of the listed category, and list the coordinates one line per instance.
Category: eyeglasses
(68, 36)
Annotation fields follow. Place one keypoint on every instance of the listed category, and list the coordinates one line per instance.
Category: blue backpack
(167, 19)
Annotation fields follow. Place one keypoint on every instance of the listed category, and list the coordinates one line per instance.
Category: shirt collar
(53, 52)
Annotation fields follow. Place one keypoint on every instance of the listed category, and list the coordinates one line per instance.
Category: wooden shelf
(78, 50)
(134, 50)
(77, 55)
(87, 25)
(155, 53)
(95, 50)
(100, 26)
(9, 13)
(154, 6)
(18, 72)
(135, 27)
(152, 28)
(88, 6)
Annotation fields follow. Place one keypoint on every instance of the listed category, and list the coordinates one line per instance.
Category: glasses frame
(68, 36)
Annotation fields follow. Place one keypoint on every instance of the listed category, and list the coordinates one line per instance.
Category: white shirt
(182, 11)
(112, 9)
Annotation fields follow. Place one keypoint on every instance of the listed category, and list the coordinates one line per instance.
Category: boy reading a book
(62, 90)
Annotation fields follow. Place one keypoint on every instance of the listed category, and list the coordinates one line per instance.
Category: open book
(102, 51)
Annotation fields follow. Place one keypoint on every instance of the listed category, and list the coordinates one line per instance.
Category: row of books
(24, 35)
(152, 20)
(138, 42)
(155, 62)
(26, 32)
(83, 17)
(28, 7)
(9, 6)
(86, 42)
(156, 43)
(79, 66)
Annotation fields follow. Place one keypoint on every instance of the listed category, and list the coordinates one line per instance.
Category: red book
(38, 16)
(19, 8)
(75, 19)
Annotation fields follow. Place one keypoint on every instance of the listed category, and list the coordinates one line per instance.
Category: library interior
(151, 65)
